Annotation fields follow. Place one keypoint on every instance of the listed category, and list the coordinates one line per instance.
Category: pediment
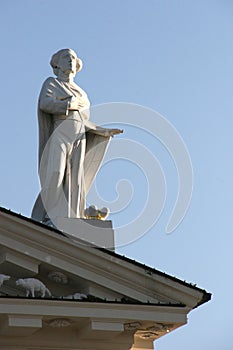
(68, 266)
(61, 283)
(99, 299)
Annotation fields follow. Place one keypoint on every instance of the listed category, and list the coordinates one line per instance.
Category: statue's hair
(55, 59)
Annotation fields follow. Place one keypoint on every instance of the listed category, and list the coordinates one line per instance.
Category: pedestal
(97, 232)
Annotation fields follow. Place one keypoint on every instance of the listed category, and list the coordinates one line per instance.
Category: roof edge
(206, 296)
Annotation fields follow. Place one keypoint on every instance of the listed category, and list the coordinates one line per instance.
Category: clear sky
(173, 56)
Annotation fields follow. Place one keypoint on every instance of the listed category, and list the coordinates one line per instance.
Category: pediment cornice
(41, 245)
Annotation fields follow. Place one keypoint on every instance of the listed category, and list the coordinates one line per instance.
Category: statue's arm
(49, 100)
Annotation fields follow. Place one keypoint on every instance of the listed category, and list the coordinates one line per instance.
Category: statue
(32, 285)
(71, 147)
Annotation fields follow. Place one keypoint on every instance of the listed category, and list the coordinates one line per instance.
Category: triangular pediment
(70, 267)
(99, 299)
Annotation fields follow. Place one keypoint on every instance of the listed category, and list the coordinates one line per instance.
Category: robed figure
(71, 147)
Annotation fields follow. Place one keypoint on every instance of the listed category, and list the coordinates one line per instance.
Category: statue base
(97, 232)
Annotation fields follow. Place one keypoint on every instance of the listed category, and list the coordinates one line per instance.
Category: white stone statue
(76, 296)
(32, 285)
(3, 278)
(71, 147)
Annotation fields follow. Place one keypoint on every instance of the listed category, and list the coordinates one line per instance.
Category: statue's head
(19, 282)
(66, 59)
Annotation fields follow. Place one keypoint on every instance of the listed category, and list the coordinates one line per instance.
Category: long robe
(80, 155)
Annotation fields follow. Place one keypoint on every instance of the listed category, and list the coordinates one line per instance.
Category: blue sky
(173, 56)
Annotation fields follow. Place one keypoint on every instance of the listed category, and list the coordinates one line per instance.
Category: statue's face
(67, 62)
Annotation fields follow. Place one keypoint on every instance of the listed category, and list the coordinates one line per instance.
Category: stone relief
(32, 285)
(76, 296)
(58, 277)
(3, 278)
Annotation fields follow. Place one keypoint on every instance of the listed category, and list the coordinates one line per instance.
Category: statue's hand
(74, 104)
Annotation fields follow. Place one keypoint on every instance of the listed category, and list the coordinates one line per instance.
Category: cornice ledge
(76, 252)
